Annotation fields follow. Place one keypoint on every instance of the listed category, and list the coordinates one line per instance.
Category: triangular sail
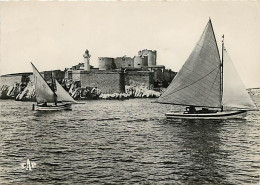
(62, 95)
(235, 94)
(42, 90)
(198, 81)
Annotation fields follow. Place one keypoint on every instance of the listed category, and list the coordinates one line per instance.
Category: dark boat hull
(53, 108)
(217, 115)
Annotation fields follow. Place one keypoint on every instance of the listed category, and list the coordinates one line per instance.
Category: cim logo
(28, 165)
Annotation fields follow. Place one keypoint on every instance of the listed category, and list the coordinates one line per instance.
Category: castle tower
(151, 56)
(86, 60)
(106, 63)
(140, 61)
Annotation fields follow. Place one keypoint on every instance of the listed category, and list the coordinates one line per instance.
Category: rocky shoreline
(26, 92)
(22, 92)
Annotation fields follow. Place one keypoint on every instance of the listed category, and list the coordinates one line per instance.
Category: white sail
(42, 90)
(62, 95)
(235, 94)
(198, 81)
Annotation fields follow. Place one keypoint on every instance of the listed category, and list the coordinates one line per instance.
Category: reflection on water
(125, 142)
(201, 139)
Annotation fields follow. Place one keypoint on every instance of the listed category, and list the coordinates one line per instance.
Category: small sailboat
(47, 98)
(209, 87)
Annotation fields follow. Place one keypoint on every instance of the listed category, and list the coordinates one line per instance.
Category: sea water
(125, 142)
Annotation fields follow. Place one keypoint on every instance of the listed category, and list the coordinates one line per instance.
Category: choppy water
(125, 142)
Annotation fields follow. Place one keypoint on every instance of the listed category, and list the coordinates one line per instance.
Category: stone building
(113, 74)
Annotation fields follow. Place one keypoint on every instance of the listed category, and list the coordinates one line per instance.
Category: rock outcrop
(132, 92)
(28, 94)
(10, 92)
(22, 92)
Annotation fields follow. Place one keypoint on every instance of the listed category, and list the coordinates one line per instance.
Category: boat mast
(220, 66)
(53, 89)
(221, 74)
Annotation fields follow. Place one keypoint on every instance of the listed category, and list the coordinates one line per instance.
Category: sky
(54, 35)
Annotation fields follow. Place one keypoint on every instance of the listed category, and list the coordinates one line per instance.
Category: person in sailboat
(44, 104)
(191, 110)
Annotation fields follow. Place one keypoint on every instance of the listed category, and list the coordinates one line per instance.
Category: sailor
(191, 110)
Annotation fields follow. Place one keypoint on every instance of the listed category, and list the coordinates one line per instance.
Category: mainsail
(198, 81)
(62, 95)
(235, 94)
(42, 90)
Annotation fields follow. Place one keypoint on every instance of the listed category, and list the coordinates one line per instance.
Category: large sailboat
(47, 98)
(208, 86)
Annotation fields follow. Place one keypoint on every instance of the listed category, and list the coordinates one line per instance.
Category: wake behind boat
(47, 98)
(203, 83)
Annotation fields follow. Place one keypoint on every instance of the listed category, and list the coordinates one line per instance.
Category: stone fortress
(113, 75)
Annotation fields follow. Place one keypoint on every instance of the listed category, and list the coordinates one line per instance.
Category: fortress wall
(107, 82)
(75, 75)
(137, 78)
